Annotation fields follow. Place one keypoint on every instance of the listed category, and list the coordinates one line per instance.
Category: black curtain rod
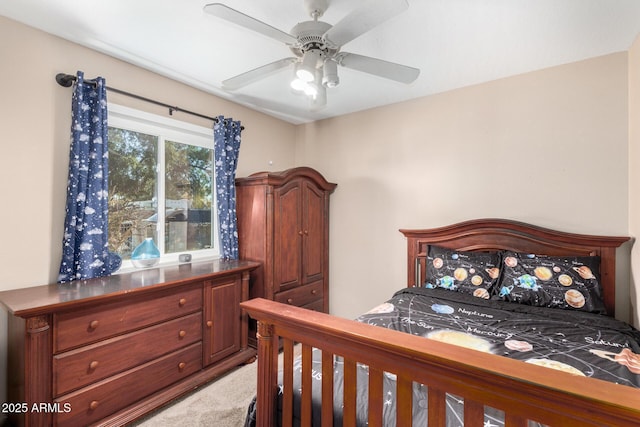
(67, 80)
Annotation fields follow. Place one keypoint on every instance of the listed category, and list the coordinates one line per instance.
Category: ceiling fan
(316, 46)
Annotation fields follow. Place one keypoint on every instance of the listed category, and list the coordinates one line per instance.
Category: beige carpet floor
(221, 403)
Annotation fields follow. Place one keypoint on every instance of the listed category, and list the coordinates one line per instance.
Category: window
(161, 185)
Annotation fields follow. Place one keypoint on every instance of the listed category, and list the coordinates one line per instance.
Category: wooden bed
(536, 393)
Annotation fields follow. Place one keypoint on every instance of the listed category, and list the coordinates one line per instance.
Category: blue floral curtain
(85, 251)
(226, 137)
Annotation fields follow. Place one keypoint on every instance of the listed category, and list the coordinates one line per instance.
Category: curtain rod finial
(65, 80)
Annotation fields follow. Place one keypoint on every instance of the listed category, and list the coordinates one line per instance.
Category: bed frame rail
(537, 393)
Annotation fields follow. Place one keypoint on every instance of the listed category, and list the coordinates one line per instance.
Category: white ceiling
(454, 43)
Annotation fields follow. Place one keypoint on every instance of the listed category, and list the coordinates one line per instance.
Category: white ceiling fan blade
(256, 74)
(378, 67)
(366, 17)
(246, 21)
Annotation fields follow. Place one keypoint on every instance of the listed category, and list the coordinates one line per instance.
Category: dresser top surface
(38, 300)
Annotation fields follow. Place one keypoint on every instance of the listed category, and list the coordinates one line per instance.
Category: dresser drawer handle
(94, 324)
(182, 334)
(182, 302)
(314, 291)
(290, 300)
(93, 405)
(209, 323)
(93, 365)
(181, 365)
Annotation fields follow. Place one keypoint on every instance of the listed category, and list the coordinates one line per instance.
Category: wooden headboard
(500, 234)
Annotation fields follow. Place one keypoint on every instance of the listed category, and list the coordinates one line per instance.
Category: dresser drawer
(301, 295)
(80, 367)
(317, 305)
(80, 327)
(99, 400)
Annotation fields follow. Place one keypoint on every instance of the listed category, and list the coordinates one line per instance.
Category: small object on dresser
(146, 254)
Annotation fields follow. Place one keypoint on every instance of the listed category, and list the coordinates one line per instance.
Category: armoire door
(313, 228)
(287, 236)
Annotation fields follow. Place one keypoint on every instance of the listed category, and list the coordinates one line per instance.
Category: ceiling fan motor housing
(310, 36)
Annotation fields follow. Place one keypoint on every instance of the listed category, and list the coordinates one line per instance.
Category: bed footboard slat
(511, 420)
(436, 400)
(404, 401)
(327, 389)
(287, 382)
(473, 413)
(350, 382)
(307, 367)
(375, 397)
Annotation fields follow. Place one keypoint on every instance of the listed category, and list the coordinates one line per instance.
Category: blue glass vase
(146, 254)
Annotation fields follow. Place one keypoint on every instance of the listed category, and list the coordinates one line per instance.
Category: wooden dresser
(106, 351)
(283, 222)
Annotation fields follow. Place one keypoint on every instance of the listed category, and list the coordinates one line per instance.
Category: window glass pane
(132, 189)
(161, 180)
(188, 197)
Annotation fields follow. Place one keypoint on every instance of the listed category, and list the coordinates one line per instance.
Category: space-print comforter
(575, 342)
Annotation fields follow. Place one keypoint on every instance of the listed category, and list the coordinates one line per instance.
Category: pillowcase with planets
(569, 282)
(468, 272)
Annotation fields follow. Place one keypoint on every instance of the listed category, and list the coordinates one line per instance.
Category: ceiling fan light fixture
(330, 77)
(298, 85)
(318, 101)
(307, 68)
(315, 90)
(311, 90)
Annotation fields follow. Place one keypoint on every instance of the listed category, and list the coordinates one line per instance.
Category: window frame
(178, 131)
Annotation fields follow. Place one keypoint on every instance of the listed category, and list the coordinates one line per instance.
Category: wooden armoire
(283, 222)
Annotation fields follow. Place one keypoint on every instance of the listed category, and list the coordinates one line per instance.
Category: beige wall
(548, 147)
(35, 114)
(634, 173)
